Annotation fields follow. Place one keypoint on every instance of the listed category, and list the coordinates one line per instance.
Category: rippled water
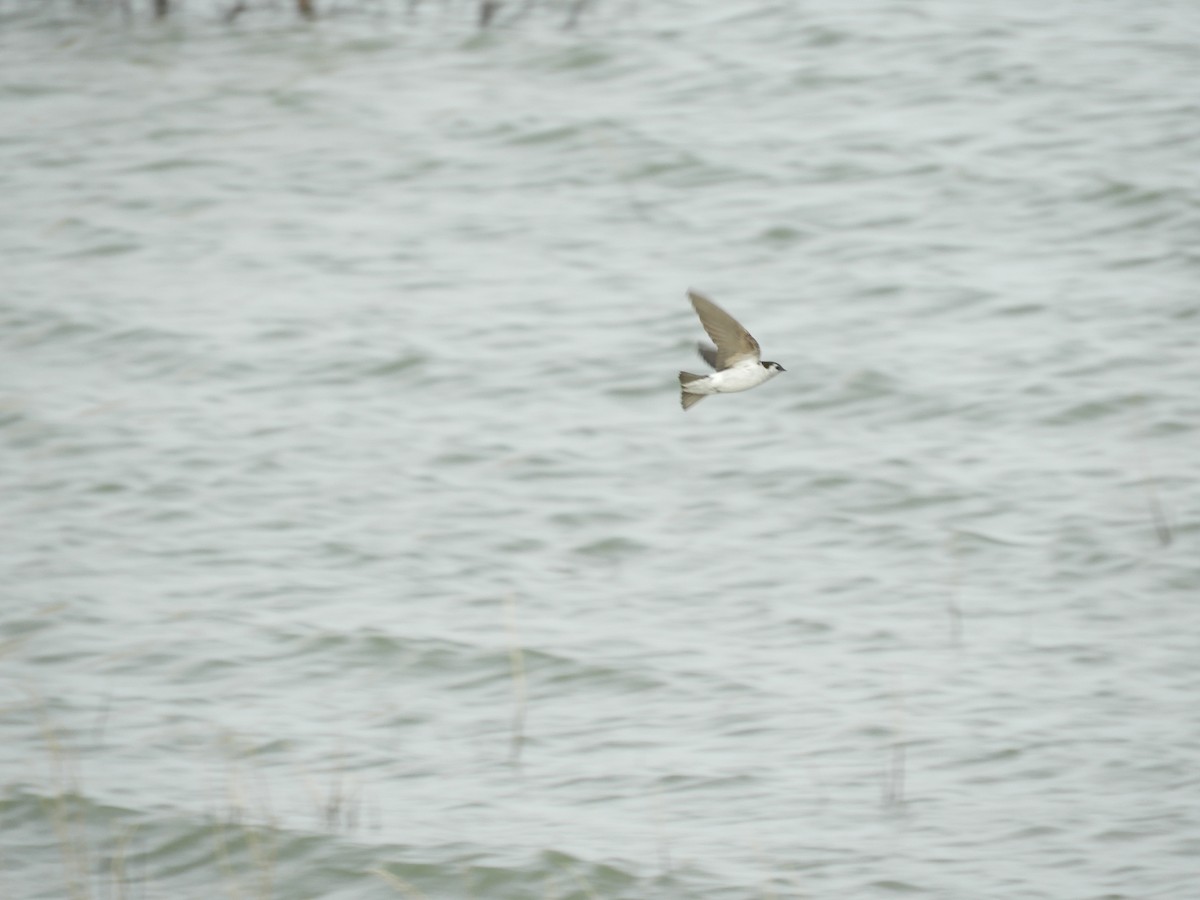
(355, 545)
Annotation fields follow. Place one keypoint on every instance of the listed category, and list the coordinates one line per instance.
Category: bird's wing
(708, 354)
(734, 343)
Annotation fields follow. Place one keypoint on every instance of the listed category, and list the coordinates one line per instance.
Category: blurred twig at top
(487, 9)
(487, 13)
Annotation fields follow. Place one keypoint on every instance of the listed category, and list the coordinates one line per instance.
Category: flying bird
(736, 357)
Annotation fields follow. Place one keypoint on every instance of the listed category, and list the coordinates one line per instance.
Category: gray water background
(341, 443)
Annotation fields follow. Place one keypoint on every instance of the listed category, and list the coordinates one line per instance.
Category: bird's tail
(689, 400)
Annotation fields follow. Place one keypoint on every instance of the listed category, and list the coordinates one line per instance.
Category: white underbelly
(739, 378)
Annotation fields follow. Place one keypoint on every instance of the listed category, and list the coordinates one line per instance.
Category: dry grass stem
(516, 661)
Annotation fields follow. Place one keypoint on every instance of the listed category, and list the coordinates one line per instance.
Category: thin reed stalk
(516, 661)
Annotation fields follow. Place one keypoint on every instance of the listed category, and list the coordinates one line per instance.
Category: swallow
(736, 358)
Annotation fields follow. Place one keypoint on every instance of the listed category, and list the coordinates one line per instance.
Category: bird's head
(773, 367)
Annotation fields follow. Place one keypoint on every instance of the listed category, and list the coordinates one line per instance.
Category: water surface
(342, 441)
